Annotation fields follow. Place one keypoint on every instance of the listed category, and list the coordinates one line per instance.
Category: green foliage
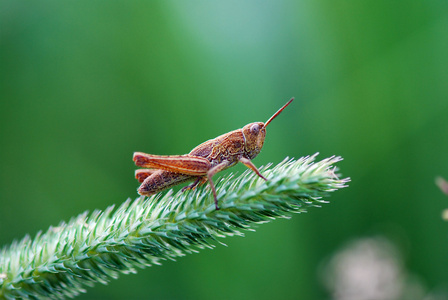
(97, 247)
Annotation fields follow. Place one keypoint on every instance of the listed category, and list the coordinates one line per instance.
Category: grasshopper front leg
(248, 163)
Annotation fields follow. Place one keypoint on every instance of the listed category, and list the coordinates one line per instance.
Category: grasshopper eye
(254, 129)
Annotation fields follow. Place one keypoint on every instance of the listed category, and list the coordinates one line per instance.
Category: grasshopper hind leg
(162, 180)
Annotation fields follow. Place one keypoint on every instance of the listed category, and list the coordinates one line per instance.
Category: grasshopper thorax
(254, 134)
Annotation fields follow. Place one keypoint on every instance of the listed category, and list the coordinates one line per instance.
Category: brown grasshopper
(204, 161)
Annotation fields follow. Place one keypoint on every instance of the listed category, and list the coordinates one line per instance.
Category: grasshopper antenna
(278, 112)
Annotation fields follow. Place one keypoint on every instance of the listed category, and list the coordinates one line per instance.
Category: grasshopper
(204, 161)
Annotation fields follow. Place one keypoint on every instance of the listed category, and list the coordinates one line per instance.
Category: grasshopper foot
(196, 183)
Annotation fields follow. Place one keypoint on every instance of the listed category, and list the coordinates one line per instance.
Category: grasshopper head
(254, 134)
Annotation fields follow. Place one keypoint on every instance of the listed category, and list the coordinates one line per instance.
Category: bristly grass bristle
(97, 247)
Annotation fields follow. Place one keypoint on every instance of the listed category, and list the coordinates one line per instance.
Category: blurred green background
(84, 84)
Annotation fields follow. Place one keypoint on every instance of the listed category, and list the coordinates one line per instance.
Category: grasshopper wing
(184, 164)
